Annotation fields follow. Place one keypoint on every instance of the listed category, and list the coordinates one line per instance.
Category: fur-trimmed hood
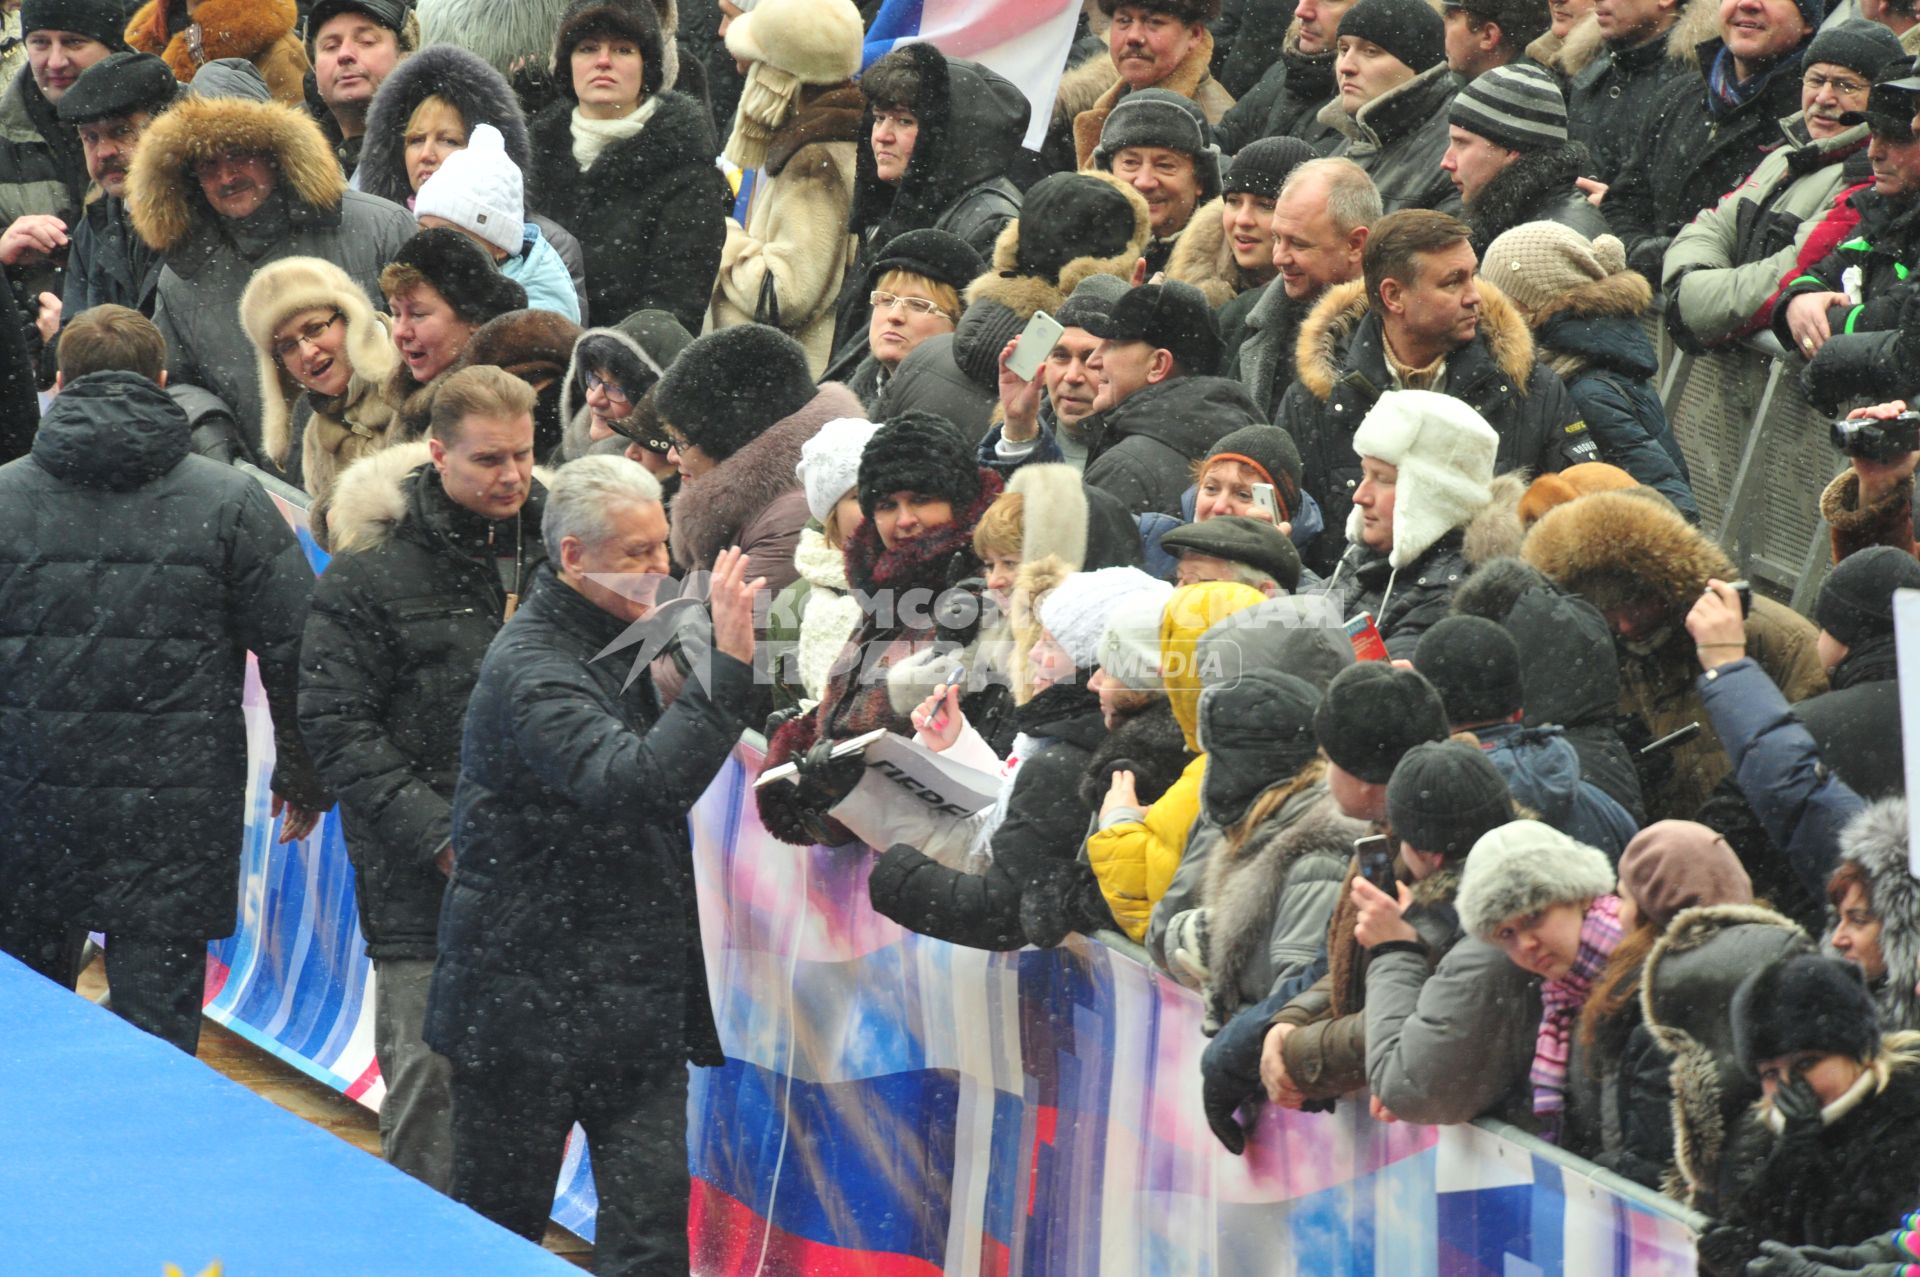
(370, 498)
(1025, 294)
(1243, 888)
(1686, 986)
(478, 92)
(1616, 547)
(1598, 323)
(1036, 578)
(1876, 840)
(1203, 257)
(1320, 348)
(165, 201)
(1699, 25)
(710, 513)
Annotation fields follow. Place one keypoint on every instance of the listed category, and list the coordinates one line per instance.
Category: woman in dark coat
(628, 168)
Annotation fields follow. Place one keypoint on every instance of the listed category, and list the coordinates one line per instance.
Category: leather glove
(1799, 1109)
(1230, 1079)
(1186, 947)
(1725, 1249)
(1222, 1100)
(824, 780)
(781, 717)
(1874, 1259)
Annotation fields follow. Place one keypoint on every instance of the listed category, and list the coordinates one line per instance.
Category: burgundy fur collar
(923, 562)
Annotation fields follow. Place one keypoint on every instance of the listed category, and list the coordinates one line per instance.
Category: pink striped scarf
(1560, 1004)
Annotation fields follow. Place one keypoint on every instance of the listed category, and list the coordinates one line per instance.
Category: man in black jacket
(111, 105)
(570, 984)
(1420, 320)
(1290, 94)
(1609, 99)
(134, 579)
(1161, 406)
(391, 651)
(1508, 156)
(1703, 135)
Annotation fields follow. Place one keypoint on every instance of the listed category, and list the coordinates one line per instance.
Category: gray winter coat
(1723, 270)
(311, 214)
(1451, 1043)
(1262, 361)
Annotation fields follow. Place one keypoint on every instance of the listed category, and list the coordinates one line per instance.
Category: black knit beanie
(635, 20)
(919, 452)
(1856, 599)
(1373, 714)
(940, 256)
(1260, 168)
(1443, 796)
(102, 20)
(727, 387)
(1868, 48)
(1069, 215)
(459, 270)
(1091, 301)
(1804, 1003)
(1408, 29)
(1475, 666)
(1273, 450)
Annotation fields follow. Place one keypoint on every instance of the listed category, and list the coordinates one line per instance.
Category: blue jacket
(1307, 525)
(1543, 772)
(1802, 805)
(540, 270)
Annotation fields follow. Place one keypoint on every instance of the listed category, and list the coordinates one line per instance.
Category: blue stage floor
(119, 1154)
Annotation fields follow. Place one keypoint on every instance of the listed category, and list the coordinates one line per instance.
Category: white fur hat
(1075, 612)
(479, 190)
(1523, 867)
(1444, 451)
(830, 463)
(815, 41)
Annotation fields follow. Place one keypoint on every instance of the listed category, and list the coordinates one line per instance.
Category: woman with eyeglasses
(915, 289)
(608, 400)
(324, 354)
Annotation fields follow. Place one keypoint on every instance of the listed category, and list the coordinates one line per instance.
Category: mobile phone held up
(1366, 640)
(1264, 502)
(1037, 341)
(1375, 854)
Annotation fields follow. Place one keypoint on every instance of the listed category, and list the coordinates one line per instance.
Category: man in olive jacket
(399, 626)
(570, 984)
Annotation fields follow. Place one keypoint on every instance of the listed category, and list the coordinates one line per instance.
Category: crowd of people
(1325, 597)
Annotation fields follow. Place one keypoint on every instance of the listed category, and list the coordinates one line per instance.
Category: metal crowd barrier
(1759, 457)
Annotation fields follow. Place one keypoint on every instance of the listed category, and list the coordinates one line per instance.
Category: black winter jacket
(134, 580)
(1880, 256)
(1611, 99)
(571, 920)
(1687, 156)
(1537, 187)
(1399, 139)
(1619, 1099)
(1142, 449)
(650, 215)
(1037, 842)
(392, 648)
(108, 263)
(1525, 403)
(1283, 103)
(1404, 604)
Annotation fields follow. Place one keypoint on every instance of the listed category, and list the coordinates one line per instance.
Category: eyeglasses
(614, 390)
(310, 334)
(1840, 84)
(918, 305)
(675, 439)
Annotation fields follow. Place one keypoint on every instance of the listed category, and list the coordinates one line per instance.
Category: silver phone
(1036, 343)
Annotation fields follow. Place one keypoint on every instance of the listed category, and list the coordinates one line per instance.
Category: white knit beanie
(1537, 263)
(1524, 867)
(1130, 643)
(480, 190)
(830, 463)
(1075, 612)
(1444, 453)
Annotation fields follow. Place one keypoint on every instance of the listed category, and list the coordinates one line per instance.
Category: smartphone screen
(1376, 861)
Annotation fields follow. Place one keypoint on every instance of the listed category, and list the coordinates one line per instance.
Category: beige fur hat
(285, 288)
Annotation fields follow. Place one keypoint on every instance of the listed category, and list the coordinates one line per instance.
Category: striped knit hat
(1516, 106)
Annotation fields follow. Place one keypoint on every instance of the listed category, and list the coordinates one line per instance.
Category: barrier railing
(1759, 456)
(895, 1105)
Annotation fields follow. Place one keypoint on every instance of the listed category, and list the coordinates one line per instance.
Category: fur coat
(260, 31)
(752, 498)
(1203, 257)
(1876, 840)
(1192, 78)
(1618, 549)
(796, 229)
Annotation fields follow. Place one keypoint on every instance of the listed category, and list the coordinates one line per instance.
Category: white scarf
(590, 137)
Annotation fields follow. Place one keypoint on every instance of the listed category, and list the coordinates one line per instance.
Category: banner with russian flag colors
(1025, 40)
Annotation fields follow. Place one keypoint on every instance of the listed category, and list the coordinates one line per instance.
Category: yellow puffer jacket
(1135, 853)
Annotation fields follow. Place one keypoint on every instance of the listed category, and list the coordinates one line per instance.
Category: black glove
(1230, 1077)
(1725, 1249)
(1222, 1100)
(1874, 1259)
(781, 717)
(824, 780)
(1799, 1108)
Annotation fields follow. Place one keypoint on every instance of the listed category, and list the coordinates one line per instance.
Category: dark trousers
(509, 1137)
(158, 982)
